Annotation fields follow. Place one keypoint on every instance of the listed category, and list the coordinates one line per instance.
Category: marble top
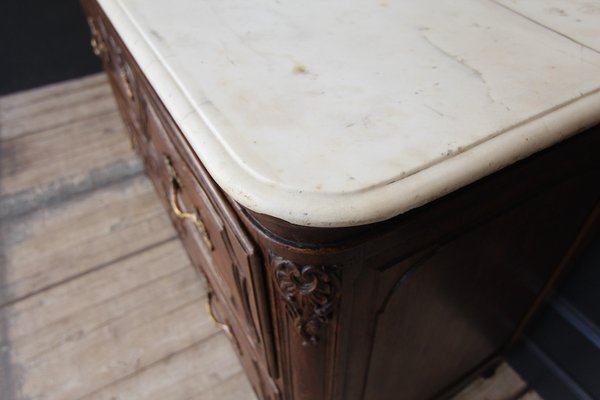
(347, 112)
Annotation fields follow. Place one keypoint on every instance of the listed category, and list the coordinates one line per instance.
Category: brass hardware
(96, 42)
(96, 46)
(194, 217)
(125, 80)
(211, 315)
(175, 207)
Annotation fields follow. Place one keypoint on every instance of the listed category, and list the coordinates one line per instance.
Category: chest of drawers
(407, 292)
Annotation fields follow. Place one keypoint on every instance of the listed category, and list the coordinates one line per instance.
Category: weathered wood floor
(97, 297)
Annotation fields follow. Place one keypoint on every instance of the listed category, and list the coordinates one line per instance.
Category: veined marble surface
(346, 112)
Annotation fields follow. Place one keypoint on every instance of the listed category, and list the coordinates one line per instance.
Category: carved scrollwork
(310, 292)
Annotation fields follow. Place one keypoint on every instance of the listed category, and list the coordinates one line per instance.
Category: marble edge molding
(344, 209)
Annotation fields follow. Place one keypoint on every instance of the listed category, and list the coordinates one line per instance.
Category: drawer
(123, 78)
(109, 48)
(231, 265)
(262, 384)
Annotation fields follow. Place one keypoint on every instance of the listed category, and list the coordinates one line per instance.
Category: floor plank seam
(62, 124)
(224, 381)
(114, 319)
(88, 271)
(91, 81)
(152, 364)
(197, 300)
(24, 202)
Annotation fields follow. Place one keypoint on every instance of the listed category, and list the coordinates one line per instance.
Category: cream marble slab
(576, 19)
(342, 113)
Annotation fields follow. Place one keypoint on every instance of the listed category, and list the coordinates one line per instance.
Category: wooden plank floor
(97, 297)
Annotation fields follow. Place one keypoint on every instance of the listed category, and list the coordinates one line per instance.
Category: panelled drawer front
(221, 255)
(124, 79)
(237, 267)
(197, 223)
(262, 384)
(109, 48)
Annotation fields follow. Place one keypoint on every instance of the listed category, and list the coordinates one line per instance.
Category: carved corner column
(305, 299)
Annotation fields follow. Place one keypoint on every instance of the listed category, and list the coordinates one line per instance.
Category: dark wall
(41, 42)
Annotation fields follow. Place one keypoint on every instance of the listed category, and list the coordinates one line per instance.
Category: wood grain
(59, 243)
(98, 299)
(62, 144)
(61, 104)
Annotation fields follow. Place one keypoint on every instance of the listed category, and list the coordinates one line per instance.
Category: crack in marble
(473, 71)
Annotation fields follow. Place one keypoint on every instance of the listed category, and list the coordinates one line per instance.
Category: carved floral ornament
(310, 292)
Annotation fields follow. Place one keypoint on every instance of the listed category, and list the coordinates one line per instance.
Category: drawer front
(262, 384)
(228, 266)
(108, 48)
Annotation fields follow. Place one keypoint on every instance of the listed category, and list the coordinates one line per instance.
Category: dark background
(43, 41)
(47, 41)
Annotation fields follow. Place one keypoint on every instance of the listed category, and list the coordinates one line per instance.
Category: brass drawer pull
(97, 43)
(194, 217)
(211, 315)
(125, 79)
(97, 46)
